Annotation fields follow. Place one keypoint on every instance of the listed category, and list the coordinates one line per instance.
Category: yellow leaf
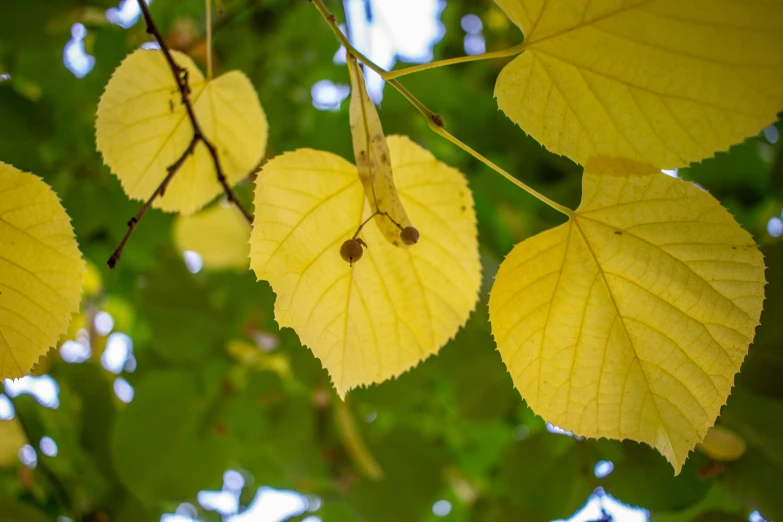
(371, 152)
(219, 234)
(12, 438)
(93, 283)
(41, 271)
(121, 310)
(665, 82)
(251, 356)
(630, 320)
(394, 307)
(78, 322)
(722, 444)
(142, 128)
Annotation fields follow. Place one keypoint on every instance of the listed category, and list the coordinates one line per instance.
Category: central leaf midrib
(600, 269)
(177, 126)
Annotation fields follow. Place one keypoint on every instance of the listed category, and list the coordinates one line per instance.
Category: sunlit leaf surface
(666, 82)
(142, 128)
(631, 319)
(372, 320)
(41, 271)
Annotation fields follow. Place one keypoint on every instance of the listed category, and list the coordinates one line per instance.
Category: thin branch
(172, 170)
(181, 79)
(433, 119)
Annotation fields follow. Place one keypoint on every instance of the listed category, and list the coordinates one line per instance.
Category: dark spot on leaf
(618, 232)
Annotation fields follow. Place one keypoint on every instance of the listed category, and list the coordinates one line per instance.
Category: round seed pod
(409, 235)
(351, 251)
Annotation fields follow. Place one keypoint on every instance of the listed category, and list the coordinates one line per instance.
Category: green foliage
(149, 460)
(563, 477)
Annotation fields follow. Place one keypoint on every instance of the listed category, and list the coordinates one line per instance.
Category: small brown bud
(409, 235)
(352, 250)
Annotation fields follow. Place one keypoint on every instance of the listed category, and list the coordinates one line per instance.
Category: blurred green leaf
(642, 477)
(763, 366)
(413, 470)
(715, 500)
(13, 511)
(165, 446)
(185, 326)
(551, 474)
(486, 512)
(755, 478)
(275, 436)
(718, 516)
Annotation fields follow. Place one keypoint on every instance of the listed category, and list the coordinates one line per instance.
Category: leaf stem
(181, 78)
(209, 39)
(172, 170)
(530, 190)
(502, 53)
(376, 213)
(332, 21)
(435, 121)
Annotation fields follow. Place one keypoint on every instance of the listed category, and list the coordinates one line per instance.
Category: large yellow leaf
(142, 128)
(666, 82)
(41, 271)
(630, 320)
(219, 234)
(372, 320)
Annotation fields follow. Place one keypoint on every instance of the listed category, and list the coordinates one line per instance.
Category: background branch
(172, 170)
